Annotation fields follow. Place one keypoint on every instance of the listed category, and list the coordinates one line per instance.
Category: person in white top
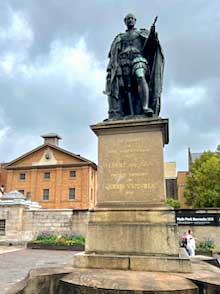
(191, 244)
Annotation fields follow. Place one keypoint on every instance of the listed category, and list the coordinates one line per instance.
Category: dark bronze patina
(135, 72)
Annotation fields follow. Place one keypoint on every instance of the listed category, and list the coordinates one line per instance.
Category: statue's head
(130, 20)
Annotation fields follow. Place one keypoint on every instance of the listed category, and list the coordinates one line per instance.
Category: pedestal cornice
(133, 125)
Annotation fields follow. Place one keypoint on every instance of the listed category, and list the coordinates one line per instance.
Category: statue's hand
(152, 29)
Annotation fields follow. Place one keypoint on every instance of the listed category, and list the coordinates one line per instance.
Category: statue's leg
(127, 104)
(114, 107)
(140, 68)
(143, 91)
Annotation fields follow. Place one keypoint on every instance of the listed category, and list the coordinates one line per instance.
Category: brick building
(54, 177)
(181, 183)
(182, 178)
(170, 179)
(3, 175)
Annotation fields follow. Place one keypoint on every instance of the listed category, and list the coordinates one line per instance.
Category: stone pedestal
(131, 227)
(130, 163)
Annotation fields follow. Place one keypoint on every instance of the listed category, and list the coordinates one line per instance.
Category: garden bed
(74, 247)
(53, 241)
(206, 253)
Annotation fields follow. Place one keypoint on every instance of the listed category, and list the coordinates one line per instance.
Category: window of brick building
(46, 194)
(2, 227)
(72, 174)
(72, 192)
(47, 175)
(21, 191)
(22, 176)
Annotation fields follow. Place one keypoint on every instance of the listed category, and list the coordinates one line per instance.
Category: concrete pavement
(16, 262)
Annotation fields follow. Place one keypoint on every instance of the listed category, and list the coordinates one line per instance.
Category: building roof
(51, 135)
(84, 160)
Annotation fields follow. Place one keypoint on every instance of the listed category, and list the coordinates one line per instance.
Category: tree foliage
(173, 202)
(203, 183)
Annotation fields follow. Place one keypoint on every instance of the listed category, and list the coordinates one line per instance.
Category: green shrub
(173, 203)
(63, 239)
(205, 245)
(46, 237)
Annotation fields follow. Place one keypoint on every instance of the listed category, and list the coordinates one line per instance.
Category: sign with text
(198, 219)
(218, 219)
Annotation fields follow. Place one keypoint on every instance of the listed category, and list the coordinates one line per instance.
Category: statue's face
(130, 20)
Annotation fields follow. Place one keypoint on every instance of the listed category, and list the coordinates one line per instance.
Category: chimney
(51, 138)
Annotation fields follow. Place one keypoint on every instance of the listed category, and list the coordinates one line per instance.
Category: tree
(203, 183)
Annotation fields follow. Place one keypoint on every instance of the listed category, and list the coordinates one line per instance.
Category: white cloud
(3, 133)
(18, 31)
(17, 36)
(189, 96)
(7, 63)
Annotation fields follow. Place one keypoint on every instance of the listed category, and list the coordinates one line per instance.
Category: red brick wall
(59, 182)
(181, 182)
(3, 175)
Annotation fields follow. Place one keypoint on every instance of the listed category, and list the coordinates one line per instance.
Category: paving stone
(16, 262)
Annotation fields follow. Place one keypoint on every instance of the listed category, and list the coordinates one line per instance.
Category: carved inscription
(129, 186)
(127, 167)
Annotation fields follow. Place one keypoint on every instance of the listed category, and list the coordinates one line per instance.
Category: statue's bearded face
(130, 20)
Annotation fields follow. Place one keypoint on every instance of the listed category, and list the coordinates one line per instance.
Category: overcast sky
(53, 57)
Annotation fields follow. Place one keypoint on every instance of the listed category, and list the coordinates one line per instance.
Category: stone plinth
(141, 240)
(144, 232)
(130, 163)
(131, 227)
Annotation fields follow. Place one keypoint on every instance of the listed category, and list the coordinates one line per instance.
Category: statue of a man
(134, 72)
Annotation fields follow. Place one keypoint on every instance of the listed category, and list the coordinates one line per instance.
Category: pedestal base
(133, 232)
(133, 262)
(126, 282)
(138, 240)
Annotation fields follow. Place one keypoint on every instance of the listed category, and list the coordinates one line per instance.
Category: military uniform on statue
(135, 72)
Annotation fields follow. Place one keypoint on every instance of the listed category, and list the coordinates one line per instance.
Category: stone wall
(23, 224)
(13, 222)
(54, 220)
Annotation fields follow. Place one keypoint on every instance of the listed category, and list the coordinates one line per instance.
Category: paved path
(15, 263)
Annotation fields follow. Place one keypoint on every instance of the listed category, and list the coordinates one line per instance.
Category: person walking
(191, 244)
(184, 240)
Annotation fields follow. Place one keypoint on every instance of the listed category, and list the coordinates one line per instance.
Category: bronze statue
(134, 72)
